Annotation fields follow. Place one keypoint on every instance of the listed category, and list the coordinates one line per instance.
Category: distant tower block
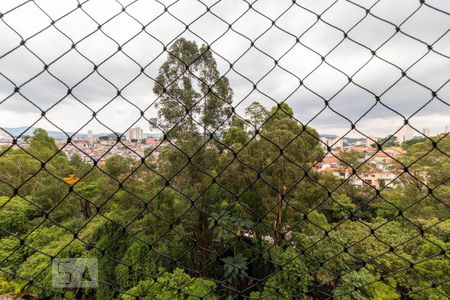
(136, 134)
(426, 131)
(338, 143)
(404, 134)
(90, 136)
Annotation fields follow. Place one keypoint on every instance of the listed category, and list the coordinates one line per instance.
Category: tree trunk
(202, 242)
(279, 212)
(85, 208)
(200, 227)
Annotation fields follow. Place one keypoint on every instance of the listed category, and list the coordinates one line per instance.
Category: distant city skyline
(135, 133)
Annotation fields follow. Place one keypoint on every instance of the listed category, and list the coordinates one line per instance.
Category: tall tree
(257, 114)
(194, 107)
(288, 148)
(192, 92)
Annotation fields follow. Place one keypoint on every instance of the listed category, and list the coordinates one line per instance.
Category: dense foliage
(231, 207)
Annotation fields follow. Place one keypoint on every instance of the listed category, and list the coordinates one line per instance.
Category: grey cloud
(352, 102)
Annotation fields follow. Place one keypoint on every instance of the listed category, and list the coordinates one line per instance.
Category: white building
(376, 178)
(404, 134)
(135, 134)
(90, 136)
(338, 143)
(426, 131)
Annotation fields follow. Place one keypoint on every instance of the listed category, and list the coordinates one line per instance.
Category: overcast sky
(429, 23)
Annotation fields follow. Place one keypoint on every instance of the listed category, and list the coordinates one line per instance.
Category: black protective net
(240, 190)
